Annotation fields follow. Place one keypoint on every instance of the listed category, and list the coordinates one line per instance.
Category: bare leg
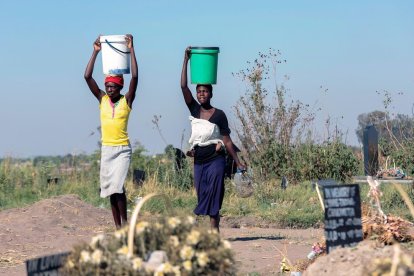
(122, 207)
(215, 222)
(115, 210)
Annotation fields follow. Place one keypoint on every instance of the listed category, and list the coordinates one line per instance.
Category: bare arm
(228, 143)
(130, 95)
(93, 86)
(188, 97)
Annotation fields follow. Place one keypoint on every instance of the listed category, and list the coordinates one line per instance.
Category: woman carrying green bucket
(210, 139)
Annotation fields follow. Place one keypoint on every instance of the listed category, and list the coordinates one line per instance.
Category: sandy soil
(55, 225)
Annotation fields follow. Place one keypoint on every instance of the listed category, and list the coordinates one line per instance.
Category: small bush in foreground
(189, 250)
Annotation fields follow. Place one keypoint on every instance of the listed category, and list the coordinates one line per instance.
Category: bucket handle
(135, 213)
(116, 49)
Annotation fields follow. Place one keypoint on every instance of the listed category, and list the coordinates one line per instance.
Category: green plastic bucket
(203, 63)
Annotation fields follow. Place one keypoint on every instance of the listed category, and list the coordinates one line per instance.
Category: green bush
(272, 129)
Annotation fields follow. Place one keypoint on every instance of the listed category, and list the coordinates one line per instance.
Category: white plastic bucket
(115, 55)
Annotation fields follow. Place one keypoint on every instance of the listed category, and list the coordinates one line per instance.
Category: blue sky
(352, 48)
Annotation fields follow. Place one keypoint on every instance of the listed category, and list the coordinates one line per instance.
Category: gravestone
(46, 265)
(52, 180)
(370, 144)
(343, 226)
(327, 182)
(138, 177)
(284, 183)
(322, 182)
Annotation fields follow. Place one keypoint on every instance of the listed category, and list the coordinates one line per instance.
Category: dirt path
(55, 225)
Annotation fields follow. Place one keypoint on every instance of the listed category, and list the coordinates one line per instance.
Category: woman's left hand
(219, 147)
(129, 39)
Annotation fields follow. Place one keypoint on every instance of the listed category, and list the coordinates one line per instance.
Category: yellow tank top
(114, 122)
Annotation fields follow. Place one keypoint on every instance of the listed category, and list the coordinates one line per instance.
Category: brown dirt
(351, 261)
(54, 225)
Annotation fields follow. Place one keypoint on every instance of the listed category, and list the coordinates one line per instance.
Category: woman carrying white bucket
(114, 113)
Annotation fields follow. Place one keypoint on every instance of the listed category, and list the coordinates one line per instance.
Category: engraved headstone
(46, 265)
(343, 226)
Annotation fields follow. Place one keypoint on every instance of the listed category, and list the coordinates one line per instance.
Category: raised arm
(188, 97)
(93, 86)
(130, 95)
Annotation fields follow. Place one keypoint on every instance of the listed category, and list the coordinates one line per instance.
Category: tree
(269, 124)
(378, 119)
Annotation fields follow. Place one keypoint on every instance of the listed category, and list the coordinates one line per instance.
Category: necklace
(113, 105)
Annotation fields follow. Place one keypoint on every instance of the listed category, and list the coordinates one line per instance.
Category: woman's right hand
(187, 54)
(241, 167)
(97, 44)
(190, 153)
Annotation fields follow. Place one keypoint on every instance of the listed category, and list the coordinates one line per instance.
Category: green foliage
(138, 158)
(297, 206)
(377, 118)
(271, 132)
(164, 167)
(307, 161)
(22, 182)
(404, 156)
(329, 160)
(395, 132)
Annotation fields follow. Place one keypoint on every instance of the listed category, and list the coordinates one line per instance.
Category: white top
(204, 133)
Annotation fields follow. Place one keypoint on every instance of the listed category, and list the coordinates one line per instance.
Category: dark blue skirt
(209, 184)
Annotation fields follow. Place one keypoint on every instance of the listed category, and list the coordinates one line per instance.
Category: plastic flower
(150, 270)
(70, 264)
(123, 250)
(194, 237)
(158, 225)
(174, 241)
(165, 268)
(97, 256)
(120, 234)
(188, 266)
(227, 262)
(95, 240)
(190, 220)
(187, 252)
(176, 270)
(226, 244)
(317, 248)
(136, 263)
(140, 227)
(202, 259)
(173, 222)
(85, 256)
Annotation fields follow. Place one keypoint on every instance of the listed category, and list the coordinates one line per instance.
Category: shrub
(190, 251)
(271, 131)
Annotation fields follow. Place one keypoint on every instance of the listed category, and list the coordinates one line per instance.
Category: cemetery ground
(56, 224)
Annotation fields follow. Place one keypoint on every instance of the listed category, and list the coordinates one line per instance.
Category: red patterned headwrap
(115, 79)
